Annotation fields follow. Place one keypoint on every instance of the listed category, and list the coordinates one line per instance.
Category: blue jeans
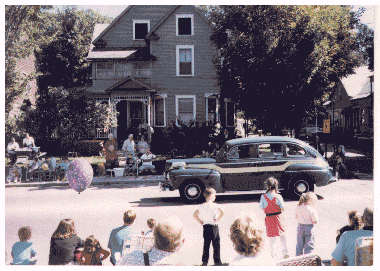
(305, 239)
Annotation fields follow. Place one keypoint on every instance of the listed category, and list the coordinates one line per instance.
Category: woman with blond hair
(248, 239)
(307, 217)
(93, 253)
(63, 243)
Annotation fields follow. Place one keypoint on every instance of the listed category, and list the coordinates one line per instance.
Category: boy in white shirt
(147, 162)
(208, 214)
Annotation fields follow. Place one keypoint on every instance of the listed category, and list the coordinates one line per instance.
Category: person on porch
(146, 159)
(11, 148)
(142, 146)
(110, 151)
(129, 149)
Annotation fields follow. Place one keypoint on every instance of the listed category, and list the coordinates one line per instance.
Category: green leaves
(278, 59)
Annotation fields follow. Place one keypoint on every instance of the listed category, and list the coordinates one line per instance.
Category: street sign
(326, 126)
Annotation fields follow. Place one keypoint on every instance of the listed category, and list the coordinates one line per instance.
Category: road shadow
(220, 199)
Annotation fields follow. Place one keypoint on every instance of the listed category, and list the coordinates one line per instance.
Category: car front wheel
(192, 191)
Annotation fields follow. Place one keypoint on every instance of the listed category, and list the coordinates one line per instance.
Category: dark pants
(211, 234)
(13, 158)
(342, 166)
(111, 164)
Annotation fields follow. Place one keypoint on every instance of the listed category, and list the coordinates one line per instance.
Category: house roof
(355, 83)
(110, 54)
(147, 86)
(158, 25)
(364, 92)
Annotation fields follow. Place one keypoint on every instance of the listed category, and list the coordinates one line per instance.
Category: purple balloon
(79, 174)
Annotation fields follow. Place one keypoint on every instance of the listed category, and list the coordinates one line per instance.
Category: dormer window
(185, 24)
(140, 29)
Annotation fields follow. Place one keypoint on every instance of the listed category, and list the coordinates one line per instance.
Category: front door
(136, 113)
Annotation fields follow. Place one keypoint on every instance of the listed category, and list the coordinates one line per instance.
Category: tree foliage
(60, 111)
(277, 60)
(25, 28)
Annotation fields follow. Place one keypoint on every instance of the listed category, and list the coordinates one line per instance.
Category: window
(104, 66)
(212, 108)
(243, 152)
(159, 110)
(185, 60)
(140, 29)
(185, 24)
(294, 150)
(185, 108)
(270, 150)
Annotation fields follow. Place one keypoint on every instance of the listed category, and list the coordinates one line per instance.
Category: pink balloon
(79, 174)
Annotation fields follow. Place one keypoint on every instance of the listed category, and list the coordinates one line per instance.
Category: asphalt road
(99, 209)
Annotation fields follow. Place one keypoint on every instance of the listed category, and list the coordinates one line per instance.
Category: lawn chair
(136, 244)
(303, 260)
(364, 251)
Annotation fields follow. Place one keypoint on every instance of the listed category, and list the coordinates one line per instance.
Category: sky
(113, 11)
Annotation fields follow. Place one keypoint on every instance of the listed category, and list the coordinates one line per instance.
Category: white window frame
(139, 22)
(161, 97)
(184, 16)
(178, 47)
(213, 96)
(177, 97)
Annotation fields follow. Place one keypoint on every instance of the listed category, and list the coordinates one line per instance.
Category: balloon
(79, 174)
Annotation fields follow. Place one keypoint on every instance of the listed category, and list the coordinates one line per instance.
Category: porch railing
(122, 74)
(101, 134)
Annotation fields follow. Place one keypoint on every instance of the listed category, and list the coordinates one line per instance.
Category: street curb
(107, 181)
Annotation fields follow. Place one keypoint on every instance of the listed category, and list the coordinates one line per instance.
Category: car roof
(258, 139)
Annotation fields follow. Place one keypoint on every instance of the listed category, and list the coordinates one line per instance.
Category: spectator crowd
(167, 236)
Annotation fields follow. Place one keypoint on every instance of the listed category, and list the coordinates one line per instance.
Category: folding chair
(303, 260)
(364, 251)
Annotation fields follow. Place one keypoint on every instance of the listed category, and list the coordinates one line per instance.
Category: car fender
(209, 177)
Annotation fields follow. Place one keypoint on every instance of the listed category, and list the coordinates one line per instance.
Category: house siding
(164, 69)
(121, 34)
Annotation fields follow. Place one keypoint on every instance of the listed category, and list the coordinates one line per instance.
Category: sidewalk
(144, 179)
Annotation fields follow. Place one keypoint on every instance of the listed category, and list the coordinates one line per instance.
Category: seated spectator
(118, 235)
(48, 170)
(355, 223)
(35, 168)
(168, 239)
(28, 142)
(110, 150)
(130, 153)
(142, 146)
(248, 238)
(151, 223)
(146, 159)
(11, 148)
(345, 249)
(62, 168)
(14, 175)
(23, 252)
(93, 253)
(64, 243)
(337, 161)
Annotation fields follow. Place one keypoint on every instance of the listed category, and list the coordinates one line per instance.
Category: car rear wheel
(299, 186)
(192, 191)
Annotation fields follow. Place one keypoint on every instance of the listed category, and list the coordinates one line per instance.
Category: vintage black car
(244, 164)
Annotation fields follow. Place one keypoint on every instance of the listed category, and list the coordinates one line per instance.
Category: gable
(120, 32)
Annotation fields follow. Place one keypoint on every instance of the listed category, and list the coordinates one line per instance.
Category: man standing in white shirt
(146, 159)
(208, 214)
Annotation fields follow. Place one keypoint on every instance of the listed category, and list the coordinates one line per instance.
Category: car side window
(270, 150)
(294, 150)
(243, 152)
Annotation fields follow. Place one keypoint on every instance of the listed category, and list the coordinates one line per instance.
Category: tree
(277, 60)
(25, 28)
(61, 113)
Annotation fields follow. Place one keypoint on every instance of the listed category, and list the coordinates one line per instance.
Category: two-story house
(156, 64)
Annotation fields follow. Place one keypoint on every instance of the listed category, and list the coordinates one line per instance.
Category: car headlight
(176, 165)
